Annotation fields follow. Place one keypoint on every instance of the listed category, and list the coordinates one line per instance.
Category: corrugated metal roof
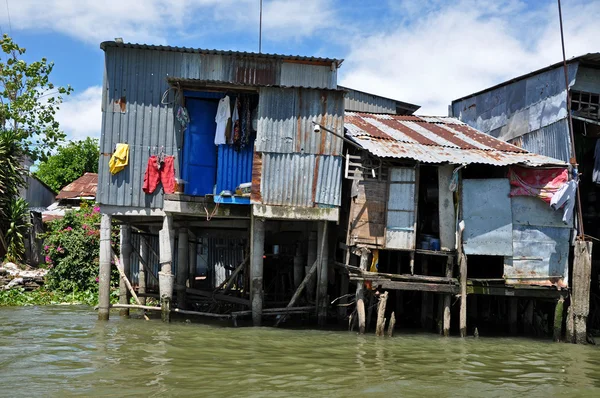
(284, 57)
(83, 187)
(434, 140)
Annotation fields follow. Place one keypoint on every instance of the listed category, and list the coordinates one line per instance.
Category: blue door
(199, 151)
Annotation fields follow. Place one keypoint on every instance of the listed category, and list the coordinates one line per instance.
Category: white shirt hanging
(223, 115)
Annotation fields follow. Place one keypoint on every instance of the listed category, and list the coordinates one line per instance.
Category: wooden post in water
(558, 318)
(310, 260)
(580, 296)
(193, 260)
(462, 263)
(380, 328)
(143, 263)
(104, 269)
(448, 297)
(257, 249)
(344, 283)
(323, 270)
(426, 300)
(165, 276)
(528, 318)
(392, 324)
(125, 259)
(513, 309)
(360, 292)
(298, 265)
(183, 252)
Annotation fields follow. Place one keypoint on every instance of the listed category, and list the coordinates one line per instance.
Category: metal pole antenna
(260, 29)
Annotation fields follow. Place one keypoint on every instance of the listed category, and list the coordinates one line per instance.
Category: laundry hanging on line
(160, 171)
(119, 159)
(565, 198)
(223, 120)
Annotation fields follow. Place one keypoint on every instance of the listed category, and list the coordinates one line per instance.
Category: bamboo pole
(136, 306)
(209, 314)
(380, 329)
(125, 280)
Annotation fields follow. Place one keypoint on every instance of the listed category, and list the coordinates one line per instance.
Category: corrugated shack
(219, 167)
(425, 193)
(535, 111)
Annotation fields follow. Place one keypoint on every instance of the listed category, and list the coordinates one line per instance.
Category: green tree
(69, 163)
(28, 105)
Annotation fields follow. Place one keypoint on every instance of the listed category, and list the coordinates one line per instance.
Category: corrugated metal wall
(357, 101)
(234, 167)
(299, 166)
(530, 112)
(132, 113)
(37, 195)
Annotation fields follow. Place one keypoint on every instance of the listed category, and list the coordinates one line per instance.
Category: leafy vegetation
(18, 224)
(44, 296)
(72, 247)
(69, 163)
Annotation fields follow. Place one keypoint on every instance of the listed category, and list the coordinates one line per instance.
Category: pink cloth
(155, 173)
(542, 183)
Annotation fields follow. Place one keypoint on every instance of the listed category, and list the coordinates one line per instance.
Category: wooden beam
(209, 314)
(510, 291)
(134, 306)
(300, 289)
(420, 287)
(217, 296)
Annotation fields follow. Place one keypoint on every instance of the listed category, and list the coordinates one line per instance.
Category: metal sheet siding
(303, 75)
(287, 179)
(540, 244)
(329, 182)
(37, 195)
(487, 213)
(357, 101)
(401, 209)
(234, 167)
(588, 80)
(138, 75)
(285, 119)
(553, 141)
(521, 107)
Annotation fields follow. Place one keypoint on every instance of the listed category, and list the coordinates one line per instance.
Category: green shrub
(18, 225)
(72, 247)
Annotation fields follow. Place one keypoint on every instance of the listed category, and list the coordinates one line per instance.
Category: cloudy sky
(425, 52)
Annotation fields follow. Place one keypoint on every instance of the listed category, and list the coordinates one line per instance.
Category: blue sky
(425, 52)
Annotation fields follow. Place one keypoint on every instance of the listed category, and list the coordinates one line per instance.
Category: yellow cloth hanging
(375, 261)
(119, 159)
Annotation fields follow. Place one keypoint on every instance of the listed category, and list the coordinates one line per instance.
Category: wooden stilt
(360, 292)
(344, 285)
(513, 309)
(143, 261)
(104, 269)
(310, 260)
(580, 296)
(256, 269)
(462, 260)
(380, 329)
(392, 325)
(448, 297)
(182, 266)
(125, 259)
(440, 314)
(426, 301)
(528, 318)
(193, 259)
(298, 265)
(558, 318)
(370, 306)
(300, 289)
(126, 281)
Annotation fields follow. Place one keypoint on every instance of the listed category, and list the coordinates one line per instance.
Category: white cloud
(80, 115)
(158, 21)
(454, 50)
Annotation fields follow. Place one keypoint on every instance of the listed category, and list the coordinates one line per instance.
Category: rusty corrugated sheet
(434, 140)
(287, 179)
(85, 186)
(285, 120)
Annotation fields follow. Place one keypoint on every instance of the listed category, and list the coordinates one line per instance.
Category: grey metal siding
(37, 195)
(139, 76)
(518, 108)
(358, 101)
(553, 141)
(588, 80)
(487, 214)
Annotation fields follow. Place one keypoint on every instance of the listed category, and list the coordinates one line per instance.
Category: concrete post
(182, 266)
(323, 255)
(310, 259)
(165, 276)
(256, 269)
(104, 271)
(125, 259)
(144, 254)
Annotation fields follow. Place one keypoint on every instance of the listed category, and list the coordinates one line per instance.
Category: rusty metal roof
(83, 187)
(291, 58)
(434, 140)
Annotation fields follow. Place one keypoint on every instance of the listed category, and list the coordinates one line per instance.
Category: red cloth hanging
(542, 183)
(160, 172)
